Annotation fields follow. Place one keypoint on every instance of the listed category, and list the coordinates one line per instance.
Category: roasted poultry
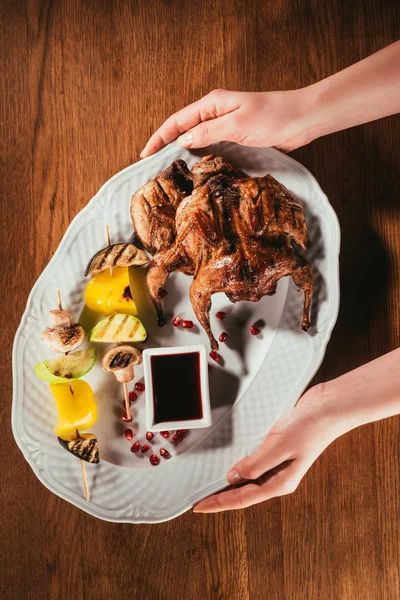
(231, 232)
(154, 205)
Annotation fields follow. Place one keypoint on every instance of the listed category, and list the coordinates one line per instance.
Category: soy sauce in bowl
(176, 387)
(177, 393)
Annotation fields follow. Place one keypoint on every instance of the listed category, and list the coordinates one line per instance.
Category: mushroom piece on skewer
(64, 336)
(121, 361)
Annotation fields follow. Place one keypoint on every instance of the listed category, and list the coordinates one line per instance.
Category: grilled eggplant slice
(116, 255)
(83, 446)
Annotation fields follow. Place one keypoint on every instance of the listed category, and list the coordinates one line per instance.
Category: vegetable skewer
(121, 359)
(108, 291)
(71, 387)
(65, 336)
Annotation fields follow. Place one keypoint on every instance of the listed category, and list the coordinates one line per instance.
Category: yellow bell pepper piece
(106, 293)
(76, 406)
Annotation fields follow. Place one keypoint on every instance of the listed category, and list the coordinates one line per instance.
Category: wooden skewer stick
(84, 478)
(71, 387)
(109, 244)
(127, 403)
(85, 483)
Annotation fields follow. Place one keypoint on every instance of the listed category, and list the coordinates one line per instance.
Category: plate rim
(318, 350)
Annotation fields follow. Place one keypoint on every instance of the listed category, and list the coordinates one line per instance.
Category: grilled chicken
(153, 206)
(65, 336)
(211, 165)
(234, 234)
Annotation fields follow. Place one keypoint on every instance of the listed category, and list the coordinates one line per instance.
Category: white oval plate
(262, 376)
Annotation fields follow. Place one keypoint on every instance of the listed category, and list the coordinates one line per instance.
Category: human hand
(325, 412)
(279, 119)
(289, 450)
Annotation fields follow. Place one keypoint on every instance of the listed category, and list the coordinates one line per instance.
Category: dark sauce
(176, 387)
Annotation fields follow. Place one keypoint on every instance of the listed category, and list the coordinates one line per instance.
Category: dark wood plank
(82, 86)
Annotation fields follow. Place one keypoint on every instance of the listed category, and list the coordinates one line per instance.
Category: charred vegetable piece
(64, 339)
(106, 293)
(65, 368)
(76, 406)
(83, 446)
(121, 361)
(116, 255)
(119, 328)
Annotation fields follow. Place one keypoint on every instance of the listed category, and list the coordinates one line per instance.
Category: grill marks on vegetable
(85, 447)
(121, 360)
(121, 327)
(116, 255)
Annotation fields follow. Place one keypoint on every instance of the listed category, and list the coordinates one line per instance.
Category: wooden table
(83, 85)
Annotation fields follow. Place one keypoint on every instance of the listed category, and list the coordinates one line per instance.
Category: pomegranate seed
(125, 418)
(215, 356)
(177, 322)
(128, 434)
(187, 324)
(165, 434)
(223, 337)
(149, 435)
(176, 438)
(139, 386)
(145, 448)
(132, 396)
(154, 460)
(164, 453)
(162, 293)
(254, 330)
(181, 431)
(220, 315)
(135, 447)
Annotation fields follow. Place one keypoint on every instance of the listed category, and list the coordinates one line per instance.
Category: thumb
(210, 132)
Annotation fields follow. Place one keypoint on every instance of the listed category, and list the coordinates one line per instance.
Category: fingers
(270, 455)
(214, 105)
(280, 482)
(210, 132)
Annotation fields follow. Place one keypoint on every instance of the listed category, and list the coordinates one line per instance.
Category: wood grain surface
(82, 86)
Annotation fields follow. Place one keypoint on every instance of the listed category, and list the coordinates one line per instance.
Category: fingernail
(185, 140)
(142, 153)
(233, 477)
(204, 506)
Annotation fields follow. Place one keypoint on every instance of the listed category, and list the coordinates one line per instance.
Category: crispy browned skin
(154, 205)
(233, 234)
(211, 165)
